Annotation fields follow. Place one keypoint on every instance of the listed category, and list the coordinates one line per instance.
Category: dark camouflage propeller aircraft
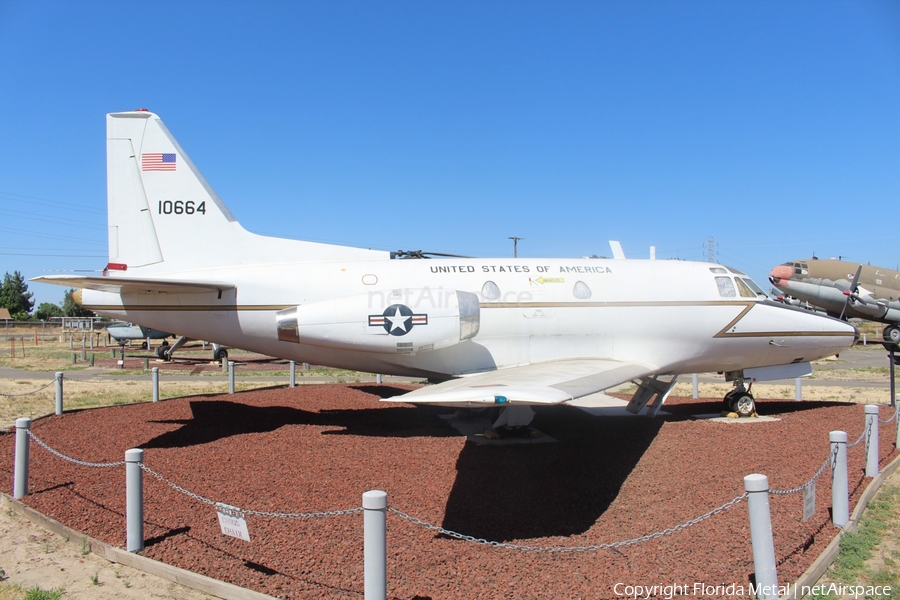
(845, 290)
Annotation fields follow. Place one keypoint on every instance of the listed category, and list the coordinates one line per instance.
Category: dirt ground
(32, 556)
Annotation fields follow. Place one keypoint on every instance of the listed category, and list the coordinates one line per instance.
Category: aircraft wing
(122, 285)
(553, 382)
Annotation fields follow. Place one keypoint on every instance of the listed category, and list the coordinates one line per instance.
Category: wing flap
(123, 285)
(554, 382)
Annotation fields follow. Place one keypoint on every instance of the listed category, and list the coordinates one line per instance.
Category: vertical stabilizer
(164, 215)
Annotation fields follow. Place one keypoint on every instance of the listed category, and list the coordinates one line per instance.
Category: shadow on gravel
(507, 493)
(214, 420)
(766, 408)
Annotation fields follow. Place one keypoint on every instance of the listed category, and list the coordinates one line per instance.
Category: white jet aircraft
(493, 332)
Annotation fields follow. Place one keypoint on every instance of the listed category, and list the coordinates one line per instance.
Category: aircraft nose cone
(780, 272)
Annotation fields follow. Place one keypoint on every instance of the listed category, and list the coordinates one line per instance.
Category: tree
(45, 310)
(15, 297)
(71, 309)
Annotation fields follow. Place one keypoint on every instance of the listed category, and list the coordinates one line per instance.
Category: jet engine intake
(404, 321)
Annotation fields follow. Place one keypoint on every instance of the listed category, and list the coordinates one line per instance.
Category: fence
(375, 506)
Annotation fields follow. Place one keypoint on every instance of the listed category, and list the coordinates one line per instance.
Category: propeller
(851, 293)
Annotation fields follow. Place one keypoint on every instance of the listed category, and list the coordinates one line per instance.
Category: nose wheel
(740, 401)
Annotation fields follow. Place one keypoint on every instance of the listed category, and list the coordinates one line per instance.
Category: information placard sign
(232, 522)
(809, 501)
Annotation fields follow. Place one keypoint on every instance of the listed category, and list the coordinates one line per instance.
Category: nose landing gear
(740, 400)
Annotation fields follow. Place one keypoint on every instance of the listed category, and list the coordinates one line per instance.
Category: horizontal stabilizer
(122, 285)
(554, 382)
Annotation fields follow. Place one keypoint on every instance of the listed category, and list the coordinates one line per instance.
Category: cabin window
(717, 270)
(726, 287)
(490, 291)
(581, 290)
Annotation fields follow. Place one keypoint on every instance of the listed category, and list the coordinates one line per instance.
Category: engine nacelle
(402, 321)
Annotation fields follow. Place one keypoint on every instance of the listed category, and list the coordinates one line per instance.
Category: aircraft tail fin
(164, 215)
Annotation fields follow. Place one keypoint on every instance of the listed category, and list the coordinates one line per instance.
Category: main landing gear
(891, 335)
(740, 400)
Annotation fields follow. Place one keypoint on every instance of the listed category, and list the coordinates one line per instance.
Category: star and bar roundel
(398, 319)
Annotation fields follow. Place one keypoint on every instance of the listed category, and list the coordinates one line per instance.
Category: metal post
(375, 544)
(761, 538)
(134, 500)
(378, 378)
(293, 374)
(695, 386)
(871, 440)
(897, 421)
(230, 376)
(71, 342)
(59, 392)
(148, 343)
(154, 377)
(20, 485)
(798, 389)
(891, 357)
(840, 491)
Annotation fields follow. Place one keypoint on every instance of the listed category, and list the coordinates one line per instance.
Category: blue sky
(771, 127)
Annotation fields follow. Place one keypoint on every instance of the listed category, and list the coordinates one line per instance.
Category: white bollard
(293, 374)
(59, 392)
(230, 376)
(798, 389)
(154, 377)
(871, 440)
(695, 386)
(761, 537)
(378, 378)
(20, 485)
(840, 491)
(375, 544)
(134, 500)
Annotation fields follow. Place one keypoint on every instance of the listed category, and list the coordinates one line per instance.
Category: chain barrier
(198, 497)
(830, 460)
(866, 431)
(69, 458)
(440, 530)
(560, 549)
(403, 515)
(886, 421)
(40, 389)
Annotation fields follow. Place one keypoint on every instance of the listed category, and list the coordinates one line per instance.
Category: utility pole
(516, 245)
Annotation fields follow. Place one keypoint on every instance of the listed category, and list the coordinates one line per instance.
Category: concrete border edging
(821, 564)
(201, 583)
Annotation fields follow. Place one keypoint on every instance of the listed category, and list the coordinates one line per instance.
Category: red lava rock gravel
(318, 448)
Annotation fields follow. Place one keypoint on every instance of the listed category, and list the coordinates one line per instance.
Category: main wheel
(220, 354)
(744, 405)
(162, 353)
(892, 334)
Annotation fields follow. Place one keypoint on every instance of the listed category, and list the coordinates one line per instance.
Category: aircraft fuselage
(673, 315)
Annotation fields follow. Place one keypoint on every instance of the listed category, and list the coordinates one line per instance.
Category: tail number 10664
(181, 207)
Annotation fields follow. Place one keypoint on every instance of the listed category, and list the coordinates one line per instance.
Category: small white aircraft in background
(122, 332)
(492, 332)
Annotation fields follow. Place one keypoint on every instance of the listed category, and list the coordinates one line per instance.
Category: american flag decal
(158, 161)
